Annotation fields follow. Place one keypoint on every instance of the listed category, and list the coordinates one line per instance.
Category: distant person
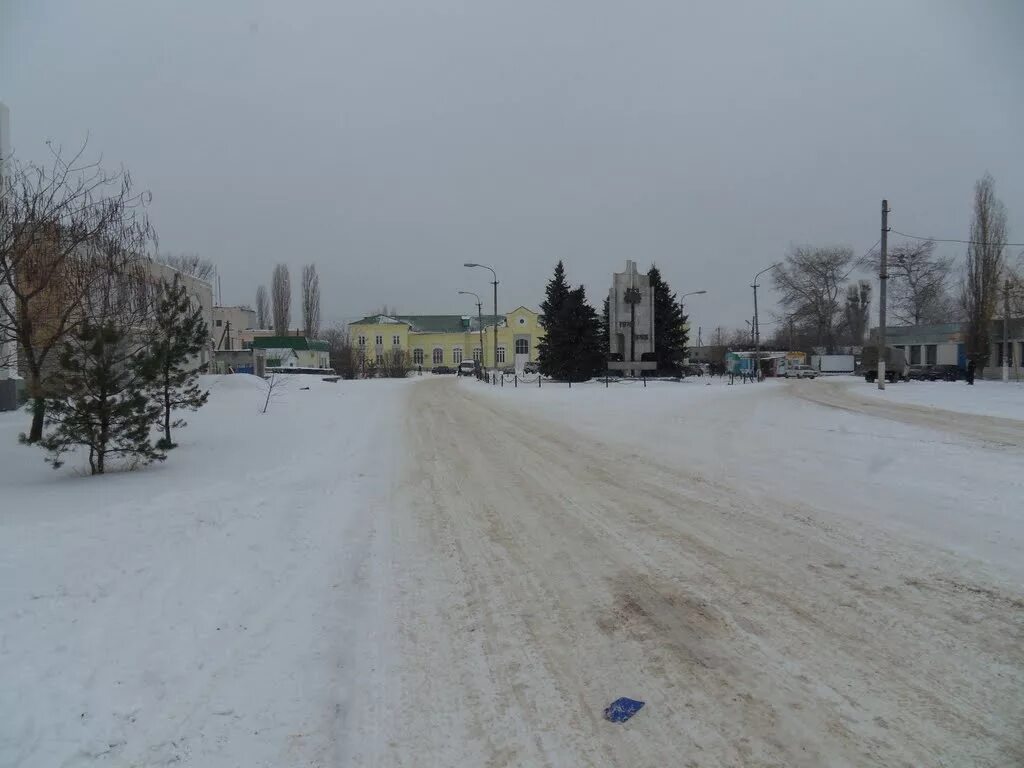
(970, 371)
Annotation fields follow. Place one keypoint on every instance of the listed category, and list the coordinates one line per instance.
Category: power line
(951, 240)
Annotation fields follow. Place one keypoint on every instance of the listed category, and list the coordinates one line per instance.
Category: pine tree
(102, 405)
(179, 334)
(670, 332)
(551, 350)
(602, 328)
(584, 358)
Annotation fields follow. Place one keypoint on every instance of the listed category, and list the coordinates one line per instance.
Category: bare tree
(310, 301)
(274, 387)
(62, 228)
(343, 352)
(918, 283)
(281, 299)
(979, 292)
(810, 282)
(394, 364)
(262, 308)
(191, 264)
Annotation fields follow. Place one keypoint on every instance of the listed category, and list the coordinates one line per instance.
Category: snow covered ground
(206, 611)
(439, 572)
(986, 398)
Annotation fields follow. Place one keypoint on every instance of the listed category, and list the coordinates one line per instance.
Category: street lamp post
(480, 323)
(495, 284)
(682, 309)
(757, 326)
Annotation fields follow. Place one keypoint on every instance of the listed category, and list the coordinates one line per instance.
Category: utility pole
(883, 276)
(792, 342)
(1006, 330)
(495, 284)
(755, 329)
(480, 322)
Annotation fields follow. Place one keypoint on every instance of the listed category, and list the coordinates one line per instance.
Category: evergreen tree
(584, 357)
(602, 328)
(179, 334)
(102, 405)
(551, 350)
(670, 332)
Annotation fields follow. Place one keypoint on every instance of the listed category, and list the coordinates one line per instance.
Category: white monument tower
(631, 320)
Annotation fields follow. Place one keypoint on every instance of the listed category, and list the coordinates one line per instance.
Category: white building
(229, 326)
(8, 346)
(200, 293)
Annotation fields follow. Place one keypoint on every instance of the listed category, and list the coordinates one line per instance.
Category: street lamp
(480, 323)
(757, 328)
(495, 284)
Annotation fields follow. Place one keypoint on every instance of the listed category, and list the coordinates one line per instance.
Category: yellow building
(449, 339)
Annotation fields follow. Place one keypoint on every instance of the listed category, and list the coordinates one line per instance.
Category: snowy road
(538, 578)
(440, 573)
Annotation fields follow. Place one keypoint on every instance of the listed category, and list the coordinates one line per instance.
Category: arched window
(438, 355)
(417, 357)
(457, 355)
(522, 346)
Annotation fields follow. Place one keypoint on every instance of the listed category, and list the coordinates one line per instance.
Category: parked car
(467, 368)
(442, 369)
(947, 372)
(800, 372)
(692, 370)
(922, 373)
(531, 367)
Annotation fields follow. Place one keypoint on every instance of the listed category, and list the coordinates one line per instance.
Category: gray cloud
(389, 142)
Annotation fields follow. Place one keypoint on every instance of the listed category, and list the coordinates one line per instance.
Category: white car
(800, 372)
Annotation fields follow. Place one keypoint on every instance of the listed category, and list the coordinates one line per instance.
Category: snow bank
(985, 398)
(203, 611)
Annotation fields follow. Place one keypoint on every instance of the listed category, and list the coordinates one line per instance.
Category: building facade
(229, 326)
(945, 344)
(293, 352)
(8, 346)
(433, 340)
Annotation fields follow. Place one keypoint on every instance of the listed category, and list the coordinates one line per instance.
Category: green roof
(430, 323)
(289, 342)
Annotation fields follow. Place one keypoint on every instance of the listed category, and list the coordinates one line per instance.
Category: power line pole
(883, 275)
(1006, 330)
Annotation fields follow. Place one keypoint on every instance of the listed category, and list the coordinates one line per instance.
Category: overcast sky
(389, 141)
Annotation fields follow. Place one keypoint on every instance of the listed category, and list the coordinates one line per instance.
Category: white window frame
(477, 354)
(417, 356)
(525, 343)
(456, 355)
(501, 354)
(380, 341)
(437, 356)
(396, 341)
(362, 341)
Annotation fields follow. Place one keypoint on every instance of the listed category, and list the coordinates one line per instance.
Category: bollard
(606, 381)
(539, 377)
(644, 377)
(503, 379)
(516, 383)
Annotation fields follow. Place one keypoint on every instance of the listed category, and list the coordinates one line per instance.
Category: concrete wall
(200, 293)
(238, 320)
(620, 315)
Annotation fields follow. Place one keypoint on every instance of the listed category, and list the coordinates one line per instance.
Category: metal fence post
(503, 379)
(516, 381)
